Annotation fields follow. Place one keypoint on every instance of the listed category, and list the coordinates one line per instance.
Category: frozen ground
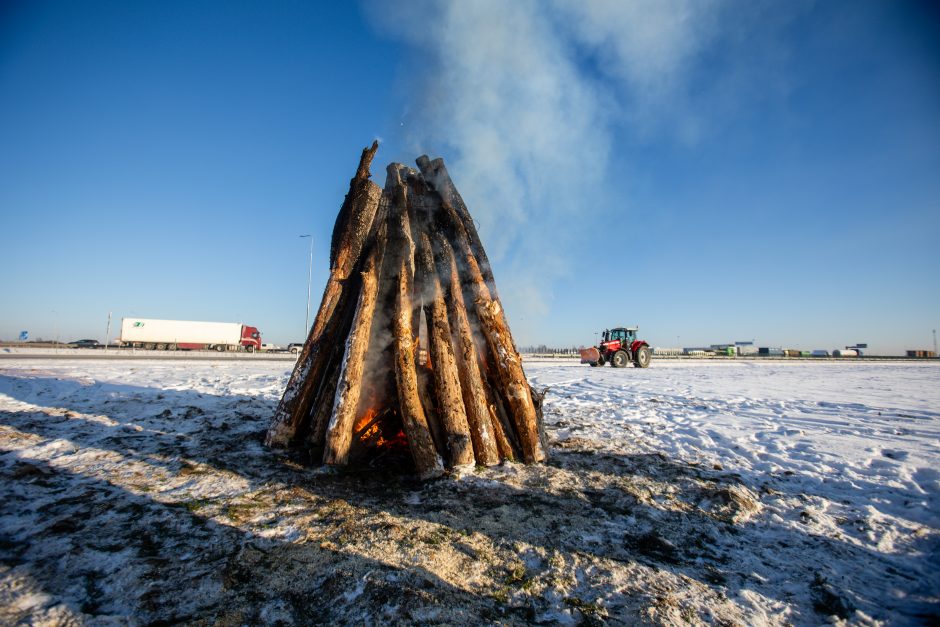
(735, 493)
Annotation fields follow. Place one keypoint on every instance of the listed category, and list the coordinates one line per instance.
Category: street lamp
(309, 277)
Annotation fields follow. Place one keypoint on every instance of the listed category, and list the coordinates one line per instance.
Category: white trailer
(187, 335)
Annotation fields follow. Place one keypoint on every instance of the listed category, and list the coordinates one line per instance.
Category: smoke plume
(523, 98)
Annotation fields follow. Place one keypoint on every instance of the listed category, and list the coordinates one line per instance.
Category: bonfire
(410, 355)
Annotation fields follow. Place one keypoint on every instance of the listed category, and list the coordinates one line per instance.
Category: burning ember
(397, 362)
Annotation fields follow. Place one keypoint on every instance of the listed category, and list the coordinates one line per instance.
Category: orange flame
(365, 419)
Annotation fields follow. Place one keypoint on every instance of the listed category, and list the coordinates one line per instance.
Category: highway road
(138, 354)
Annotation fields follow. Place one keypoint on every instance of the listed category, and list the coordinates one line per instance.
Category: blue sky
(710, 171)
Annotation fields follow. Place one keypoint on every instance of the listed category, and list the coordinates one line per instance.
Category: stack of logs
(371, 378)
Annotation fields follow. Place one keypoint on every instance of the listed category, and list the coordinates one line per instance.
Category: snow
(737, 491)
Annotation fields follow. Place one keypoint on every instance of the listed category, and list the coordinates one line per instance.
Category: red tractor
(618, 347)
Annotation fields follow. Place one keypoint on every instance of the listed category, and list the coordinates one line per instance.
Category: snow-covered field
(716, 492)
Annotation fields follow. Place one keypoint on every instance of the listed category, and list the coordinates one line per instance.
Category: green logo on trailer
(138, 324)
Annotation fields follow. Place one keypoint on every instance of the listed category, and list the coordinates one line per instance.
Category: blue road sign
(24, 335)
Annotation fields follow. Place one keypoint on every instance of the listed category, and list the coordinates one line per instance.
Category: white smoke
(522, 98)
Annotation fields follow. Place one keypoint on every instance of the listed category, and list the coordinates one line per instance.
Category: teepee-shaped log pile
(410, 350)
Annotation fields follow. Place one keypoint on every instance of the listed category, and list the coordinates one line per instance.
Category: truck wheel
(161, 347)
(642, 357)
(148, 347)
(250, 349)
(619, 360)
(219, 348)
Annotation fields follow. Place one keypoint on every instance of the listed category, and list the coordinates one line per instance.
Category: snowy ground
(737, 493)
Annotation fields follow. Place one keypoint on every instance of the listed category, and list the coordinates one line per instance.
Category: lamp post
(309, 277)
(107, 337)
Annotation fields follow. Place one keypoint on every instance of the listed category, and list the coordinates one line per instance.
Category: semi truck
(188, 335)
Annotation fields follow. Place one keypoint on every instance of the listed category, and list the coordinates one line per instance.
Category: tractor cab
(626, 335)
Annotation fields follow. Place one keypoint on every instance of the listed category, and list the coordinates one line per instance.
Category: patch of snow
(748, 492)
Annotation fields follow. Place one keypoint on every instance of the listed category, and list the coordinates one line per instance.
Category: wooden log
(321, 411)
(506, 440)
(502, 442)
(419, 222)
(446, 379)
(414, 421)
(353, 220)
(349, 387)
(471, 382)
(426, 392)
(350, 234)
(437, 176)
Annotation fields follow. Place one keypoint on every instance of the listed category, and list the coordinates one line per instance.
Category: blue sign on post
(24, 335)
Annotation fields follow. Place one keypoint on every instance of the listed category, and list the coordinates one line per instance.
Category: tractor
(618, 347)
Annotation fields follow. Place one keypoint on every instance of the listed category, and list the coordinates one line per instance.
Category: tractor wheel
(619, 360)
(642, 357)
(592, 364)
(600, 361)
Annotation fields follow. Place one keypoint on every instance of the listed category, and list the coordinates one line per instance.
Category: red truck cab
(251, 338)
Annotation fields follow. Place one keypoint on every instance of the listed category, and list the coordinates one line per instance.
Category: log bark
(348, 390)
(468, 369)
(444, 363)
(350, 234)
